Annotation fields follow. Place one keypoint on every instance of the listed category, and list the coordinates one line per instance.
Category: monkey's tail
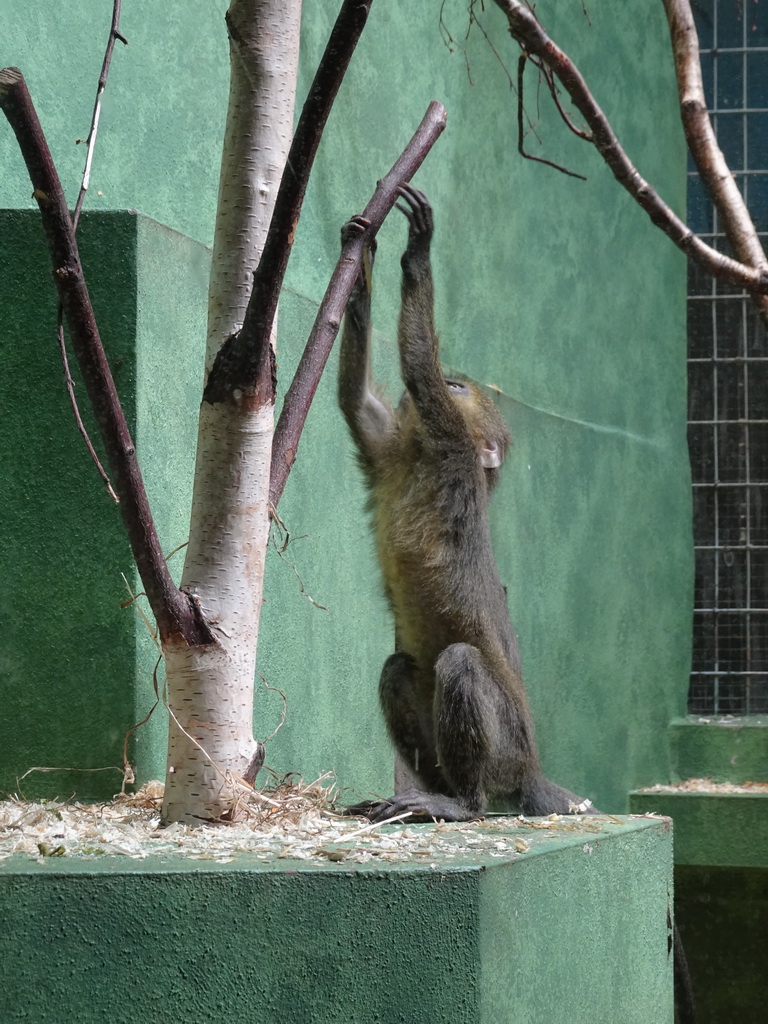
(540, 797)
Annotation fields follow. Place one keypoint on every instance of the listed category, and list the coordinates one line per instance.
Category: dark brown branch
(304, 384)
(532, 37)
(245, 361)
(114, 33)
(176, 615)
(704, 148)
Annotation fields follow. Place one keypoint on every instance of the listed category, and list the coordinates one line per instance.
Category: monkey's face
(484, 424)
(486, 427)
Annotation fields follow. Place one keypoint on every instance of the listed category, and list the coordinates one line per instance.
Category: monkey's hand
(354, 227)
(417, 805)
(420, 221)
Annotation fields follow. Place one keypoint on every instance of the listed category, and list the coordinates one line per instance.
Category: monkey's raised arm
(370, 420)
(417, 338)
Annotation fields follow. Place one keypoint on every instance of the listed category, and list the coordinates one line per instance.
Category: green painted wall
(559, 292)
(76, 667)
(115, 940)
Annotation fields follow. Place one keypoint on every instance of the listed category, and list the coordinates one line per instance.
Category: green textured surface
(67, 648)
(116, 941)
(559, 292)
(722, 914)
(723, 749)
(726, 830)
(77, 668)
(159, 140)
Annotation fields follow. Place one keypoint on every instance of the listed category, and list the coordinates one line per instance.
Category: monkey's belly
(423, 624)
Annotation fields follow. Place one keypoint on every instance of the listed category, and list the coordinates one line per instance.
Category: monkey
(452, 694)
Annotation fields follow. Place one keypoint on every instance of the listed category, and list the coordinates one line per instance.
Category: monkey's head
(484, 423)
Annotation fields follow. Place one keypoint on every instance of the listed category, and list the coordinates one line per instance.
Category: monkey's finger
(355, 226)
(419, 211)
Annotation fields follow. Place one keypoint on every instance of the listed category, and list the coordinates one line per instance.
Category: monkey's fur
(452, 695)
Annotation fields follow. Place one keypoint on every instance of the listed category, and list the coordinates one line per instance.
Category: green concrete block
(76, 667)
(723, 749)
(572, 932)
(723, 829)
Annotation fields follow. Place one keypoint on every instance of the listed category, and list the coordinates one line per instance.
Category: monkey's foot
(418, 805)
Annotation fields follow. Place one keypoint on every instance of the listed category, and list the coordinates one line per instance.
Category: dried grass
(299, 821)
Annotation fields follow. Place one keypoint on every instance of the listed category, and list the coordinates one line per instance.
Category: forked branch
(704, 148)
(245, 361)
(90, 144)
(175, 614)
(534, 40)
(328, 320)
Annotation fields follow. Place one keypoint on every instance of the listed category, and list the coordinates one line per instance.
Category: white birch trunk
(210, 689)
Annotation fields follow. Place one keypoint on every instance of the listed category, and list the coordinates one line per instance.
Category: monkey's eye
(456, 385)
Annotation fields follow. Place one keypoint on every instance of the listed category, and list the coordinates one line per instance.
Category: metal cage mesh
(728, 384)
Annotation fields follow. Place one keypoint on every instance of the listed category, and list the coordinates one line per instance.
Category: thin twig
(555, 93)
(90, 142)
(533, 39)
(520, 132)
(302, 589)
(450, 43)
(476, 21)
(328, 320)
(70, 386)
(281, 723)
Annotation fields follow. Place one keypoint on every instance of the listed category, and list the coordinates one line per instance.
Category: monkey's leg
(409, 726)
(470, 715)
(485, 741)
(411, 731)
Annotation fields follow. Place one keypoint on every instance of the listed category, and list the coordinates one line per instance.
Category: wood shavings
(708, 786)
(299, 822)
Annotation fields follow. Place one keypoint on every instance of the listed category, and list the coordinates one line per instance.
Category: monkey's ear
(490, 456)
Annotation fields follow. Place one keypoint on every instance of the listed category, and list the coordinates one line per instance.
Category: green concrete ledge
(574, 931)
(712, 829)
(724, 749)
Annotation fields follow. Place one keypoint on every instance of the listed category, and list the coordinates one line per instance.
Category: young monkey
(452, 694)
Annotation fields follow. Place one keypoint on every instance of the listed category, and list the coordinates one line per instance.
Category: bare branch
(176, 615)
(70, 386)
(555, 94)
(520, 112)
(532, 37)
(245, 362)
(705, 151)
(304, 384)
(90, 142)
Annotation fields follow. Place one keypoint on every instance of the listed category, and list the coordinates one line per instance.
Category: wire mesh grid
(728, 384)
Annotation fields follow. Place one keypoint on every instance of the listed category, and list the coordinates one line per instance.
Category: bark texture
(210, 688)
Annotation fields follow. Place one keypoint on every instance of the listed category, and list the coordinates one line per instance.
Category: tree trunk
(210, 688)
